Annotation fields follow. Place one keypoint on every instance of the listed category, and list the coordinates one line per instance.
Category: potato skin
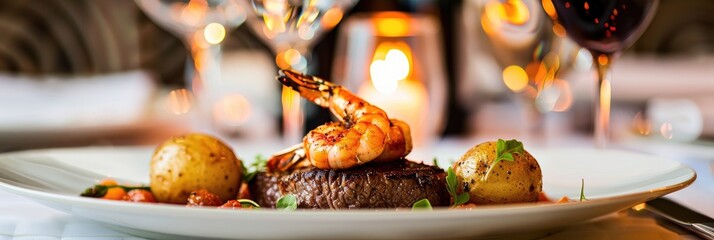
(509, 182)
(194, 161)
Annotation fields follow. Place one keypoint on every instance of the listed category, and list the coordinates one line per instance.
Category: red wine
(604, 26)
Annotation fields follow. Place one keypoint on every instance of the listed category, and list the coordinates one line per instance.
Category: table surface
(21, 218)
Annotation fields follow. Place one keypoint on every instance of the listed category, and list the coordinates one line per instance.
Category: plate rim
(437, 211)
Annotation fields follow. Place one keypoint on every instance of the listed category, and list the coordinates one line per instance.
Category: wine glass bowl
(605, 28)
(184, 18)
(524, 43)
(289, 27)
(529, 54)
(201, 25)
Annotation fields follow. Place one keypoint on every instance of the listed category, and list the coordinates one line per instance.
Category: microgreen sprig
(423, 204)
(505, 149)
(582, 190)
(286, 203)
(257, 166)
(451, 184)
(248, 203)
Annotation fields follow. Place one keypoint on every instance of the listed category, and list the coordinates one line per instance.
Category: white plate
(614, 180)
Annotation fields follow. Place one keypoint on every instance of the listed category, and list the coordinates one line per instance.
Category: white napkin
(32, 103)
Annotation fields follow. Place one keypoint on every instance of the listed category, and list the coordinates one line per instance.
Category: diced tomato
(232, 204)
(139, 195)
(543, 198)
(202, 198)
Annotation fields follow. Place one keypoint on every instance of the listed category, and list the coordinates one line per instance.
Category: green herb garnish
(582, 190)
(248, 203)
(287, 203)
(257, 166)
(506, 149)
(98, 190)
(435, 162)
(423, 204)
(451, 184)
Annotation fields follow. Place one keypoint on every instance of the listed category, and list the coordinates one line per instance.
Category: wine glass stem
(202, 80)
(602, 103)
(293, 104)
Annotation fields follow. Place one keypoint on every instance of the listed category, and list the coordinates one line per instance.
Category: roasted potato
(190, 162)
(508, 182)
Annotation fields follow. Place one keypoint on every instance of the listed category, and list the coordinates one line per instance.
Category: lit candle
(394, 89)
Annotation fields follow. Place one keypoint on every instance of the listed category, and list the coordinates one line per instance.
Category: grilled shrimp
(363, 134)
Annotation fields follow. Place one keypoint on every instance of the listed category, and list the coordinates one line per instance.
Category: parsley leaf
(257, 166)
(582, 188)
(287, 203)
(248, 203)
(451, 183)
(435, 162)
(423, 204)
(96, 191)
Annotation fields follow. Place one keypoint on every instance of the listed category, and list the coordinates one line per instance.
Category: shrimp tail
(288, 159)
(312, 88)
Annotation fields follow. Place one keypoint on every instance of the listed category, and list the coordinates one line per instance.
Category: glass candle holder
(392, 60)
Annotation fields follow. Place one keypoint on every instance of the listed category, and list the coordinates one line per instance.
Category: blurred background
(100, 72)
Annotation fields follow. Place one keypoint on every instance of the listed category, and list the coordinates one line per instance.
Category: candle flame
(391, 64)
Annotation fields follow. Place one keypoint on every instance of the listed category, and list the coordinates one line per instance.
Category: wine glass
(605, 28)
(201, 25)
(528, 50)
(290, 27)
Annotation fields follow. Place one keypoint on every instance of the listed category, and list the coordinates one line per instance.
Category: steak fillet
(381, 185)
